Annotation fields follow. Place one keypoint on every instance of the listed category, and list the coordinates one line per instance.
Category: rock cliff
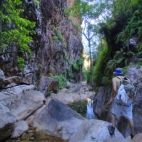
(57, 44)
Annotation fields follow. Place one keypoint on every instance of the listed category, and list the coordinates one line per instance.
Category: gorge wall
(57, 44)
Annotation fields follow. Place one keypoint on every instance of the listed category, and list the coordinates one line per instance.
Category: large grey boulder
(30, 102)
(17, 103)
(20, 128)
(94, 130)
(137, 138)
(57, 119)
(12, 95)
(47, 83)
(7, 121)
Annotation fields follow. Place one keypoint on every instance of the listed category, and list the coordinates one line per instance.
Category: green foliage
(48, 93)
(87, 11)
(55, 39)
(37, 3)
(15, 28)
(40, 65)
(20, 28)
(87, 75)
(70, 20)
(106, 80)
(99, 67)
(66, 56)
(59, 35)
(110, 24)
(139, 54)
(126, 17)
(79, 107)
(134, 26)
(134, 2)
(116, 61)
(82, 8)
(77, 26)
(120, 7)
(80, 61)
(125, 69)
(75, 66)
(139, 64)
(21, 62)
(68, 73)
(120, 59)
(139, 47)
(62, 80)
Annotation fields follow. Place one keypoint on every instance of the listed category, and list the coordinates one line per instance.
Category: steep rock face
(63, 44)
(56, 44)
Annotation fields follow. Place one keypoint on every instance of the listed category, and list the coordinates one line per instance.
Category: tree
(90, 13)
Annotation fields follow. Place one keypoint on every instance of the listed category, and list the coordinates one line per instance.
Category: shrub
(75, 66)
(21, 62)
(62, 80)
(99, 67)
(80, 61)
(55, 39)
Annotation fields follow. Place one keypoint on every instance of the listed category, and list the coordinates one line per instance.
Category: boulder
(20, 128)
(137, 138)
(78, 92)
(116, 140)
(30, 102)
(57, 119)
(17, 103)
(47, 83)
(94, 130)
(7, 121)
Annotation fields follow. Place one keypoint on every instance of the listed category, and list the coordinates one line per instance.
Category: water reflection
(89, 112)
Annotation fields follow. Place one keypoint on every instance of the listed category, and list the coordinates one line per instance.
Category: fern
(139, 64)
(126, 62)
(140, 31)
(129, 54)
(106, 80)
(98, 69)
(120, 60)
(133, 26)
(125, 69)
(111, 65)
(75, 66)
(118, 54)
(80, 61)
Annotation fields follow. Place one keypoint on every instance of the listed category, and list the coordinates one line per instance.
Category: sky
(96, 38)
